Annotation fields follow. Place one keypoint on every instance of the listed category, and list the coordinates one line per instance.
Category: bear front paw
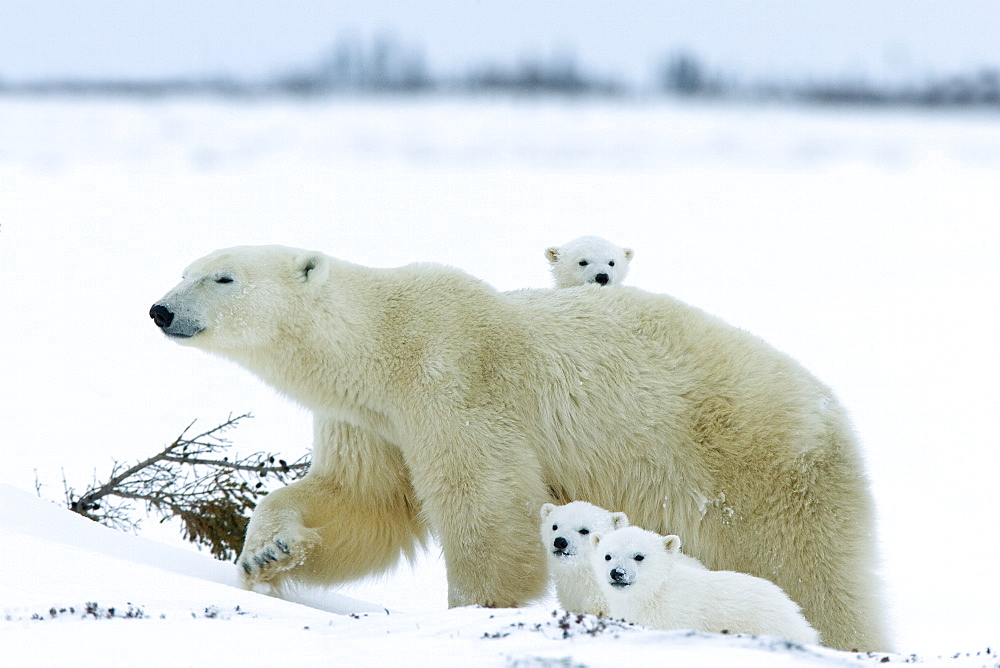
(264, 559)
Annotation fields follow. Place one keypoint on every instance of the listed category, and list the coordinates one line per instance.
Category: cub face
(632, 557)
(588, 260)
(566, 530)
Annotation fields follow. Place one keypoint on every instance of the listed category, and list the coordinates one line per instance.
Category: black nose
(161, 315)
(560, 543)
(602, 279)
(617, 574)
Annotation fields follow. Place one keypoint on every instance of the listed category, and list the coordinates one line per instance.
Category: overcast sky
(875, 39)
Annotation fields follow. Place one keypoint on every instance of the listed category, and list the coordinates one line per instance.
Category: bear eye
(555, 527)
(224, 279)
(607, 557)
(611, 263)
(639, 557)
(583, 263)
(584, 532)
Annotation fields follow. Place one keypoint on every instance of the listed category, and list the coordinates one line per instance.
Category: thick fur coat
(442, 405)
(565, 531)
(646, 582)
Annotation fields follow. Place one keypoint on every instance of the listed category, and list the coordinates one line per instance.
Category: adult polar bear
(442, 405)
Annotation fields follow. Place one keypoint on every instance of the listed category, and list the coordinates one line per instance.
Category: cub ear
(312, 268)
(619, 520)
(552, 254)
(672, 544)
(595, 539)
(547, 509)
(628, 254)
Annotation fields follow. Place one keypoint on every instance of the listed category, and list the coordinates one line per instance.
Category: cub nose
(560, 543)
(161, 315)
(602, 279)
(617, 574)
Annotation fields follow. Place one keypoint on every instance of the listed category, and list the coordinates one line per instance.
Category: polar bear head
(240, 299)
(588, 260)
(633, 559)
(566, 529)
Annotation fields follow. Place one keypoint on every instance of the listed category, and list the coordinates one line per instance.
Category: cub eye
(611, 263)
(607, 557)
(639, 557)
(583, 263)
(584, 532)
(224, 279)
(555, 527)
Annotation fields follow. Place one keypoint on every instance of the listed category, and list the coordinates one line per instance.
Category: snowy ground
(864, 244)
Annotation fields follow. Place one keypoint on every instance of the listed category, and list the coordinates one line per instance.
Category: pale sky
(874, 39)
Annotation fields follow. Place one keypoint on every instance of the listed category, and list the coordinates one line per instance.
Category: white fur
(569, 560)
(588, 260)
(566, 532)
(645, 582)
(441, 405)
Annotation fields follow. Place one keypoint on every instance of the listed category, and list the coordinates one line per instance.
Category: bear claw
(266, 561)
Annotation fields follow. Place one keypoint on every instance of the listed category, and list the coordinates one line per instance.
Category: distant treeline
(385, 66)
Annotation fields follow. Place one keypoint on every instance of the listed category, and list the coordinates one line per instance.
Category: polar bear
(566, 532)
(588, 259)
(645, 582)
(441, 405)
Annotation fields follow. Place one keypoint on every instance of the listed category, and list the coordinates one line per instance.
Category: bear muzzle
(170, 324)
(161, 315)
(618, 578)
(561, 544)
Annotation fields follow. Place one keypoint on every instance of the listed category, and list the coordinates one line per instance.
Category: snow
(87, 595)
(861, 243)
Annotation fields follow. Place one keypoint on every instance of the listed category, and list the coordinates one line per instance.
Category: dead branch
(211, 495)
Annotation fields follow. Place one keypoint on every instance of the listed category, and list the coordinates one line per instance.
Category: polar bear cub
(645, 583)
(588, 260)
(566, 534)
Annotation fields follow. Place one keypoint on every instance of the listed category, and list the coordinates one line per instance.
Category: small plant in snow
(91, 610)
(566, 625)
(190, 479)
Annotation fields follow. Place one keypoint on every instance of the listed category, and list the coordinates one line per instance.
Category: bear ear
(547, 509)
(629, 254)
(312, 268)
(619, 520)
(552, 254)
(595, 539)
(672, 544)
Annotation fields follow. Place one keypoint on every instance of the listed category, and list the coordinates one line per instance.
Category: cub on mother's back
(586, 260)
